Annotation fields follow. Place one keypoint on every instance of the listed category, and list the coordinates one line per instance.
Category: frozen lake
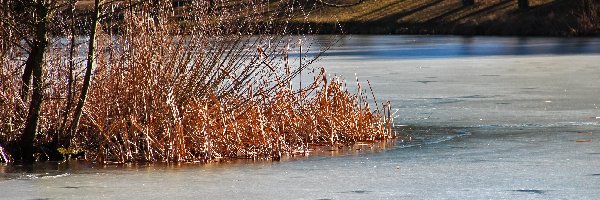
(488, 118)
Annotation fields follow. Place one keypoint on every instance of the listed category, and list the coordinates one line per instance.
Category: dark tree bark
(4, 36)
(13, 20)
(70, 77)
(523, 4)
(27, 73)
(88, 71)
(468, 2)
(36, 55)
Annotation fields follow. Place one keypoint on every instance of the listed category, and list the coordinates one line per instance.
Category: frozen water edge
(528, 129)
(490, 163)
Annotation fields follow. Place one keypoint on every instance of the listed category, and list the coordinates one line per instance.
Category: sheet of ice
(541, 90)
(531, 163)
(510, 118)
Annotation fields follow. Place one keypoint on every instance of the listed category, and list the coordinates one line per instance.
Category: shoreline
(560, 18)
(489, 28)
(314, 150)
(410, 136)
(545, 18)
(501, 164)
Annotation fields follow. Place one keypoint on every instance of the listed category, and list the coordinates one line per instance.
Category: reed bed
(197, 90)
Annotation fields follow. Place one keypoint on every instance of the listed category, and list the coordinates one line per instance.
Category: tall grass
(193, 84)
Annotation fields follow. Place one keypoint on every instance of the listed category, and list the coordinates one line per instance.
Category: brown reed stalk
(191, 84)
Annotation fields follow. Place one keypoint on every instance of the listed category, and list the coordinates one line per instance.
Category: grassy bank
(489, 17)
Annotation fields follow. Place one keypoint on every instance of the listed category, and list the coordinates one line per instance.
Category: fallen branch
(5, 157)
(339, 5)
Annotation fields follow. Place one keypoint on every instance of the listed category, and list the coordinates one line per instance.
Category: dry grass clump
(190, 85)
(151, 125)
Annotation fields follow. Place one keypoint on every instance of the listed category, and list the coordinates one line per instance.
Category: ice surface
(492, 118)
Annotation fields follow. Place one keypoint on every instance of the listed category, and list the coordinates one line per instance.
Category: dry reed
(209, 90)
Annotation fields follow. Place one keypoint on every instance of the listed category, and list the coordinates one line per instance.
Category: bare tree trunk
(36, 55)
(30, 63)
(88, 71)
(4, 35)
(523, 4)
(70, 78)
(468, 2)
(27, 73)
